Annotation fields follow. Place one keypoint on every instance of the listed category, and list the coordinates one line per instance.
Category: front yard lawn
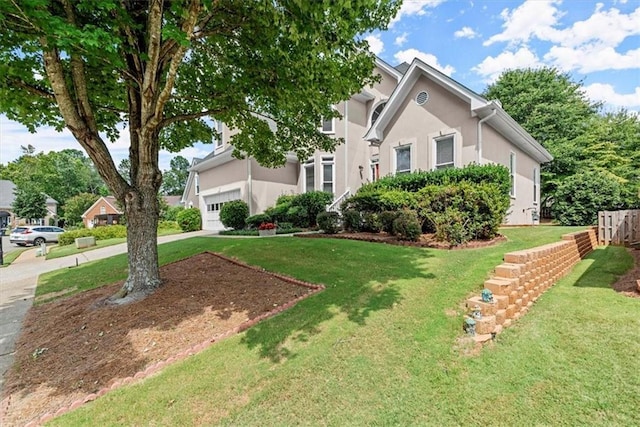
(379, 345)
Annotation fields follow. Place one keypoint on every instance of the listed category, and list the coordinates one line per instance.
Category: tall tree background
(166, 67)
(584, 139)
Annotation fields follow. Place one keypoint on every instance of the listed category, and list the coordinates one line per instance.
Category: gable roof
(110, 200)
(479, 106)
(7, 196)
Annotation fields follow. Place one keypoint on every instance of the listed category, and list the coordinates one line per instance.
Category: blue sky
(472, 41)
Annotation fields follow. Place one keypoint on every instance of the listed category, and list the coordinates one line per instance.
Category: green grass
(9, 257)
(378, 346)
(66, 250)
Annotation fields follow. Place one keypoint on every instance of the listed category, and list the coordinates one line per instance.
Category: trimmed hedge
(254, 221)
(301, 209)
(190, 219)
(234, 214)
(100, 233)
(329, 222)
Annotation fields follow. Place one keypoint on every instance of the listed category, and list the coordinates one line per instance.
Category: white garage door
(214, 203)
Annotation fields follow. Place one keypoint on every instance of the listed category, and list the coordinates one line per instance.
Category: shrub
(254, 221)
(171, 213)
(351, 220)
(313, 203)
(329, 222)
(100, 233)
(579, 197)
(286, 226)
(386, 220)
(168, 225)
(190, 220)
(363, 201)
(371, 222)
(395, 200)
(451, 226)
(299, 216)
(234, 214)
(68, 237)
(406, 226)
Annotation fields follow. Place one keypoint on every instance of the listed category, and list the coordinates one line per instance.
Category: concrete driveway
(18, 283)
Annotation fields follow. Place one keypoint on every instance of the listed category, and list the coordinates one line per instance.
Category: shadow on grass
(360, 278)
(606, 264)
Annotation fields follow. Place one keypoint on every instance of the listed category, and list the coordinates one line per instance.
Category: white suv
(34, 234)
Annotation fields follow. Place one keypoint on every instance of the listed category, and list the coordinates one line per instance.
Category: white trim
(536, 186)
(84, 215)
(373, 110)
(333, 126)
(372, 163)
(306, 165)
(453, 136)
(196, 186)
(388, 69)
(219, 142)
(328, 160)
(394, 156)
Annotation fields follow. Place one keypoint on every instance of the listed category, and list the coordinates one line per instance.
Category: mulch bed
(78, 348)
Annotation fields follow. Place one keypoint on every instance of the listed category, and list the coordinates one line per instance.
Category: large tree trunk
(141, 209)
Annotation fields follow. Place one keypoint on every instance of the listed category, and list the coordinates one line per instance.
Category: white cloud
(592, 58)
(607, 93)
(409, 54)
(414, 7)
(400, 40)
(376, 46)
(531, 18)
(466, 33)
(491, 67)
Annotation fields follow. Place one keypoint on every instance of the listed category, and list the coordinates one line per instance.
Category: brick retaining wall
(523, 277)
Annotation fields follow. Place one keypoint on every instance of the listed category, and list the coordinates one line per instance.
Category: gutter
(479, 141)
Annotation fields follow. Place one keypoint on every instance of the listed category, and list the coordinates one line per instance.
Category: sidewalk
(18, 283)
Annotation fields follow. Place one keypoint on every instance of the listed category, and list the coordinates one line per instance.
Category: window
(309, 176)
(103, 210)
(375, 170)
(327, 174)
(512, 173)
(536, 185)
(444, 152)
(218, 137)
(197, 183)
(376, 112)
(403, 159)
(327, 125)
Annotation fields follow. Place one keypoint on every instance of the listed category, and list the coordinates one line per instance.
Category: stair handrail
(335, 206)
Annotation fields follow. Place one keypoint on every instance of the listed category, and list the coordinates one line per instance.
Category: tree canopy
(175, 179)
(270, 69)
(583, 140)
(29, 203)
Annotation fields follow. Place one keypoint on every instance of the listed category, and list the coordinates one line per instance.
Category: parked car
(34, 234)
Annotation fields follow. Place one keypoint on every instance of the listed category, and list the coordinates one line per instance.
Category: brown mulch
(425, 241)
(78, 346)
(628, 284)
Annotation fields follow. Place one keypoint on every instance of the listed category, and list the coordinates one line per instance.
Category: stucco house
(9, 219)
(415, 118)
(104, 211)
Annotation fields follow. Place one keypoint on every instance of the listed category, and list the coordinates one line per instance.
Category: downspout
(249, 186)
(346, 146)
(479, 142)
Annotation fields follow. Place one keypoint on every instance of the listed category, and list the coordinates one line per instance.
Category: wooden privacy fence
(619, 227)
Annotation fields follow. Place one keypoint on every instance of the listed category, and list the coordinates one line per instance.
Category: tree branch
(183, 117)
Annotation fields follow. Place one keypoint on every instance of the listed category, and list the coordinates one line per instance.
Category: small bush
(190, 220)
(351, 220)
(68, 237)
(100, 233)
(395, 200)
(313, 203)
(406, 226)
(254, 221)
(451, 226)
(299, 216)
(329, 222)
(286, 226)
(234, 214)
(168, 225)
(371, 222)
(171, 213)
(386, 220)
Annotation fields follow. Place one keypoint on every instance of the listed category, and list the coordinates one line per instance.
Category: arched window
(376, 112)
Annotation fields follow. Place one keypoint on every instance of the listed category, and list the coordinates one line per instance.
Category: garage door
(214, 203)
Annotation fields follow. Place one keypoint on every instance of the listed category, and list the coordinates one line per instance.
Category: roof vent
(422, 97)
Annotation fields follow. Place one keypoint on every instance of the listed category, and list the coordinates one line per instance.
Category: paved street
(18, 283)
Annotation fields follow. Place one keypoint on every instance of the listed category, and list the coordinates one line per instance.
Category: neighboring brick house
(415, 118)
(8, 218)
(104, 211)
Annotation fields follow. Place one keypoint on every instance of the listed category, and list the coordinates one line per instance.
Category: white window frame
(308, 164)
(453, 164)
(196, 183)
(395, 158)
(536, 185)
(333, 126)
(382, 102)
(374, 166)
(328, 160)
(512, 174)
(219, 143)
